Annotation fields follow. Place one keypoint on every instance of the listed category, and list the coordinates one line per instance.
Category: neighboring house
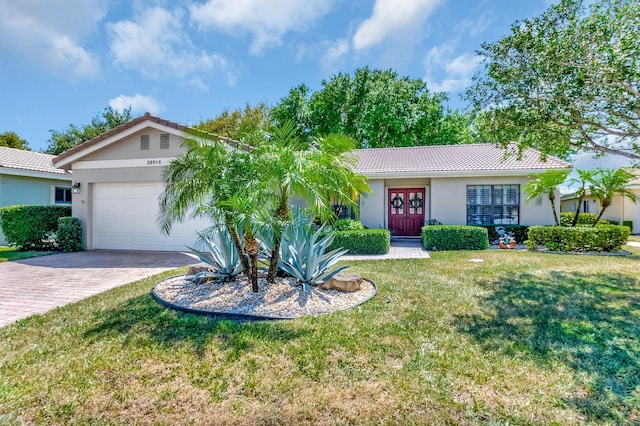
(120, 177)
(620, 210)
(30, 178)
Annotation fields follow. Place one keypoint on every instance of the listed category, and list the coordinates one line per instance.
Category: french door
(406, 211)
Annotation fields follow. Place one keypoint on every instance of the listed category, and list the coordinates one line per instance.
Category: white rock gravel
(284, 299)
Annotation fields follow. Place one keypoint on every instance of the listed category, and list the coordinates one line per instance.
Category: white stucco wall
(449, 200)
(372, 206)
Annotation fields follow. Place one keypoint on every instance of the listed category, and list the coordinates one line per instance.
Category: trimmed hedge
(566, 218)
(455, 237)
(579, 239)
(31, 227)
(365, 241)
(519, 232)
(347, 225)
(69, 234)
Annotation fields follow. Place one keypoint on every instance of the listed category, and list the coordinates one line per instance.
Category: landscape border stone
(239, 316)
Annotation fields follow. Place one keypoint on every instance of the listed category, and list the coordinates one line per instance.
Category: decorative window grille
(164, 141)
(493, 204)
(144, 143)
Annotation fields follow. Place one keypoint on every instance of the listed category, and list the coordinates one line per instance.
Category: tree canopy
(74, 135)
(238, 123)
(12, 140)
(565, 81)
(377, 108)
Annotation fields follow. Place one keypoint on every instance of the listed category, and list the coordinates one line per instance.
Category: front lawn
(520, 338)
(10, 253)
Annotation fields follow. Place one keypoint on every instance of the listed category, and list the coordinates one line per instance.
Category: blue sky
(63, 61)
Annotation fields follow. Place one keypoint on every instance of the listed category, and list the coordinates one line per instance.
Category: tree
(12, 140)
(316, 174)
(605, 183)
(583, 180)
(546, 184)
(377, 108)
(567, 80)
(238, 124)
(110, 118)
(212, 180)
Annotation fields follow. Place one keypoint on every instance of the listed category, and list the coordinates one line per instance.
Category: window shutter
(164, 141)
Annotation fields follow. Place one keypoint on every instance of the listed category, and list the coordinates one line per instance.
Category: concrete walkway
(400, 249)
(633, 243)
(37, 285)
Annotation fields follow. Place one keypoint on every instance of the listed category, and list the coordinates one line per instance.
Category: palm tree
(202, 181)
(583, 179)
(546, 184)
(606, 183)
(317, 174)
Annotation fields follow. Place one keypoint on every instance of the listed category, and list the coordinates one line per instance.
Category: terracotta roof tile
(11, 158)
(451, 158)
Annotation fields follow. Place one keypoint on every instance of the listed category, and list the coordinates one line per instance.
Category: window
(585, 206)
(164, 141)
(144, 143)
(62, 195)
(493, 204)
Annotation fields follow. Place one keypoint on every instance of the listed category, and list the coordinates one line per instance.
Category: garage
(125, 217)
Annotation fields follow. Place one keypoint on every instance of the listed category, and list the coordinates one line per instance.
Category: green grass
(521, 338)
(10, 253)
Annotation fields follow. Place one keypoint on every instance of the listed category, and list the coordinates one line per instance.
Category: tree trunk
(253, 248)
(575, 217)
(275, 257)
(552, 198)
(605, 204)
(235, 237)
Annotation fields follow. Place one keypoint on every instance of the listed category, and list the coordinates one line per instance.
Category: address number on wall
(153, 162)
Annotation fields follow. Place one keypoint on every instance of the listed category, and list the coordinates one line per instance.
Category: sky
(63, 61)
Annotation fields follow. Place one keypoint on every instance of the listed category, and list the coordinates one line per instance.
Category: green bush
(579, 239)
(69, 234)
(31, 227)
(347, 225)
(455, 237)
(628, 223)
(566, 219)
(519, 232)
(365, 241)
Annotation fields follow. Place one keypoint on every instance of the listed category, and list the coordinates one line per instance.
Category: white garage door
(125, 217)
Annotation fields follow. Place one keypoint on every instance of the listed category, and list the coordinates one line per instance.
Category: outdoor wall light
(75, 188)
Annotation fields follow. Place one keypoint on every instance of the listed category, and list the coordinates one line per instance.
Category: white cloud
(156, 45)
(268, 21)
(391, 20)
(334, 52)
(138, 103)
(47, 33)
(457, 70)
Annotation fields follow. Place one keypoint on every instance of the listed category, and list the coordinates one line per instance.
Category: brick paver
(37, 285)
(400, 249)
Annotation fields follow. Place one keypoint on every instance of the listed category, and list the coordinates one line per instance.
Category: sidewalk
(400, 249)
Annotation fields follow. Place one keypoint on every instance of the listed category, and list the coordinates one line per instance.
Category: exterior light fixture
(75, 188)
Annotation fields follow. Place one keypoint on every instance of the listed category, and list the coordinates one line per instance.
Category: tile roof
(11, 158)
(636, 180)
(451, 158)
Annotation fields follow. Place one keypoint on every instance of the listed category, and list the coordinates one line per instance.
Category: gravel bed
(284, 299)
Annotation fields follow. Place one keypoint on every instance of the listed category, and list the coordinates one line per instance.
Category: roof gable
(452, 159)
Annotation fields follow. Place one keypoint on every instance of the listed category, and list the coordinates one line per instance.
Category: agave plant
(303, 255)
(222, 255)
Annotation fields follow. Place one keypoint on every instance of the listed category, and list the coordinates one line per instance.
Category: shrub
(365, 241)
(579, 239)
(31, 227)
(347, 225)
(566, 219)
(455, 237)
(519, 231)
(69, 234)
(628, 223)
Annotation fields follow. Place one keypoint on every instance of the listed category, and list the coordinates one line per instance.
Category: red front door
(406, 211)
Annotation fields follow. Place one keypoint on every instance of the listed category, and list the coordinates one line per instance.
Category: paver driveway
(36, 285)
